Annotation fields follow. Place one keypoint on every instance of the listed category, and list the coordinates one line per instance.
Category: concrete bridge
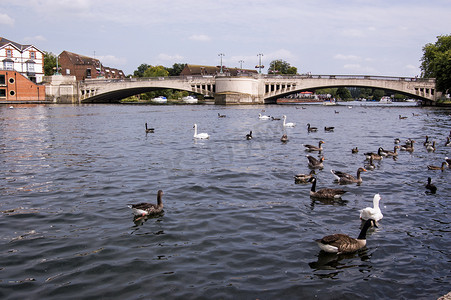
(252, 89)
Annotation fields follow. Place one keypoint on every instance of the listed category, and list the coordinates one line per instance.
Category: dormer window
(9, 53)
(32, 55)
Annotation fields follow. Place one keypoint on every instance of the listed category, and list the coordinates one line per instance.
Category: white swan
(263, 117)
(372, 212)
(200, 135)
(290, 124)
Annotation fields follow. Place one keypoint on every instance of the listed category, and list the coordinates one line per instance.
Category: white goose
(263, 117)
(202, 136)
(372, 212)
(290, 124)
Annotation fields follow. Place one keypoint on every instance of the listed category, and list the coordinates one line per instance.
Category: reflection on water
(236, 225)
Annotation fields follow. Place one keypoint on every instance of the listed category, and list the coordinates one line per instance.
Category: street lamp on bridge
(221, 55)
(259, 66)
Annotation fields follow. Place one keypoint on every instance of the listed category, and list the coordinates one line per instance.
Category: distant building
(213, 70)
(84, 67)
(28, 60)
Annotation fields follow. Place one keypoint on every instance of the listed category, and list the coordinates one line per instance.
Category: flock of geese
(335, 243)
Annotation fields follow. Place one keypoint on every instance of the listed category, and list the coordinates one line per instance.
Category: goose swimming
(342, 243)
(430, 186)
(314, 163)
(325, 193)
(149, 130)
(311, 129)
(348, 178)
(145, 209)
(249, 136)
(312, 148)
(372, 212)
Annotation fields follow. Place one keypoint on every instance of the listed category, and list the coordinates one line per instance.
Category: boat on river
(189, 99)
(160, 99)
(385, 100)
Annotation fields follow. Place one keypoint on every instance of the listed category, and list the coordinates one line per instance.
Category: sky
(346, 37)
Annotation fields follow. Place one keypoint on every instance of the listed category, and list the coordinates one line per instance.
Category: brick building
(84, 67)
(16, 87)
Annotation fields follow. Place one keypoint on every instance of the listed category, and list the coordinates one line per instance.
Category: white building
(25, 59)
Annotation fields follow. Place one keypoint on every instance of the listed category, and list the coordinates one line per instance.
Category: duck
(431, 147)
(146, 209)
(430, 186)
(348, 178)
(393, 153)
(249, 135)
(149, 130)
(284, 138)
(341, 243)
(326, 193)
(337, 112)
(370, 165)
(329, 129)
(312, 148)
(355, 150)
(448, 142)
(201, 136)
(304, 178)
(221, 116)
(263, 117)
(289, 124)
(372, 212)
(401, 117)
(431, 167)
(311, 129)
(314, 163)
(275, 119)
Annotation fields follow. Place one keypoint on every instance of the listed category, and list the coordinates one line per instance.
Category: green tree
(49, 63)
(157, 71)
(176, 69)
(436, 62)
(140, 71)
(377, 94)
(344, 93)
(280, 66)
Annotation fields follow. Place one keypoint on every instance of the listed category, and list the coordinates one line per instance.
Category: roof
(78, 59)
(20, 47)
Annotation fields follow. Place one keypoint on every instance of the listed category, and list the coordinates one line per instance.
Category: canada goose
(372, 212)
(221, 116)
(426, 142)
(397, 141)
(408, 147)
(311, 129)
(289, 124)
(275, 119)
(448, 160)
(431, 167)
(329, 129)
(448, 142)
(312, 148)
(431, 147)
(284, 138)
(303, 178)
(249, 136)
(314, 163)
(375, 156)
(337, 112)
(263, 117)
(325, 193)
(144, 209)
(355, 150)
(149, 130)
(200, 135)
(400, 117)
(430, 186)
(342, 243)
(348, 178)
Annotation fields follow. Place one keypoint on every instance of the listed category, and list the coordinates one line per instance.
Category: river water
(235, 225)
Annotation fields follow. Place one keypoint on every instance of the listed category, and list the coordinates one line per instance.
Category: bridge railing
(363, 77)
(142, 79)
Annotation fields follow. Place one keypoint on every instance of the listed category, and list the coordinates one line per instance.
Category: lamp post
(241, 64)
(221, 55)
(260, 66)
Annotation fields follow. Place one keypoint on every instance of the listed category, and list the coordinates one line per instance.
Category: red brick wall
(20, 88)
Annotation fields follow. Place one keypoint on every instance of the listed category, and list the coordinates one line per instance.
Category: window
(2, 93)
(30, 67)
(9, 53)
(67, 71)
(2, 80)
(8, 65)
(88, 73)
(33, 55)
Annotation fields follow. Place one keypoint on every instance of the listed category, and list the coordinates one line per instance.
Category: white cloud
(199, 37)
(112, 61)
(347, 57)
(170, 58)
(6, 20)
(33, 39)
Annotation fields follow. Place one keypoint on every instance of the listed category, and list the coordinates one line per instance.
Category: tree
(157, 71)
(140, 71)
(343, 93)
(49, 63)
(436, 62)
(176, 69)
(280, 66)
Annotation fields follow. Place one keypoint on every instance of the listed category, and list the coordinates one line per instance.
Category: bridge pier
(239, 90)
